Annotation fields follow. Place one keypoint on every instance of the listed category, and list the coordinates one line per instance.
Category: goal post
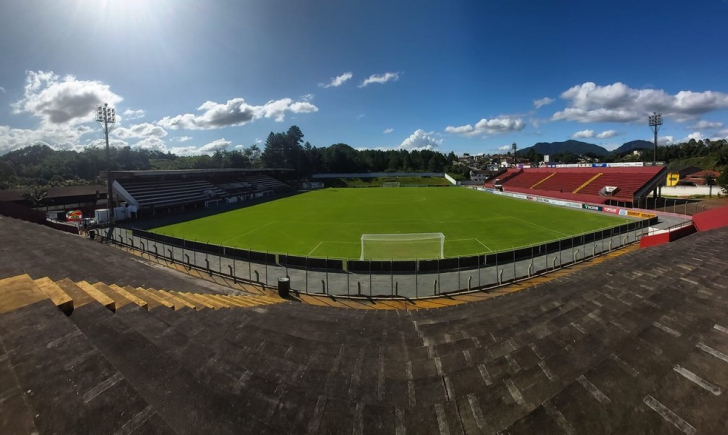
(391, 184)
(402, 246)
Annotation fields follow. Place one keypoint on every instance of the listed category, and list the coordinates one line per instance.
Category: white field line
(472, 238)
(248, 232)
(314, 249)
(540, 226)
(486, 246)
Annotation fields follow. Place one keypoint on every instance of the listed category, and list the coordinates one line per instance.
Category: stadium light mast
(515, 149)
(655, 123)
(106, 115)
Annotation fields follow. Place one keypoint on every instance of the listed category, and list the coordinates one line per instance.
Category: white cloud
(151, 143)
(388, 130)
(139, 131)
(2, 89)
(666, 140)
(589, 102)
(695, 135)
(542, 102)
(337, 81)
(235, 112)
(216, 145)
(62, 101)
(607, 134)
(487, 127)
(505, 148)
(133, 114)
(583, 134)
(380, 78)
(64, 137)
(420, 140)
(182, 138)
(704, 125)
(185, 151)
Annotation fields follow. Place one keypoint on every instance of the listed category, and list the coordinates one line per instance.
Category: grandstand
(602, 185)
(170, 190)
(90, 343)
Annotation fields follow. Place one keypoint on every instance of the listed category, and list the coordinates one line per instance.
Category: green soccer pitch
(330, 222)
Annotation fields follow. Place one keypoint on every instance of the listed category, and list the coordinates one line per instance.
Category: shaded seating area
(171, 192)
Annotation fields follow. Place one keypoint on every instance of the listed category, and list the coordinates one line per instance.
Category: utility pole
(655, 123)
(106, 115)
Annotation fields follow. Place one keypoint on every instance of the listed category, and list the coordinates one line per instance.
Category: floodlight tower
(106, 115)
(655, 123)
(515, 149)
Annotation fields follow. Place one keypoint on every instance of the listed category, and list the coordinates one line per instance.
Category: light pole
(655, 123)
(106, 115)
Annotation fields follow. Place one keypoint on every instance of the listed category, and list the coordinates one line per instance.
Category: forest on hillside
(40, 165)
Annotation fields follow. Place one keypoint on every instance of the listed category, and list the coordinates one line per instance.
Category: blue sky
(195, 76)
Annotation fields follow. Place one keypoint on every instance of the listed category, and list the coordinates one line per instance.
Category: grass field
(330, 222)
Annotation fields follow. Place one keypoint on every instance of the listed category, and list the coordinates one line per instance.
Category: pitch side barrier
(414, 278)
(385, 266)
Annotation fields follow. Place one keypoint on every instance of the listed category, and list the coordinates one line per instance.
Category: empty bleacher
(172, 192)
(582, 183)
(564, 181)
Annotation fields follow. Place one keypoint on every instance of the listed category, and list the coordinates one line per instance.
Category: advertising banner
(640, 214)
(592, 207)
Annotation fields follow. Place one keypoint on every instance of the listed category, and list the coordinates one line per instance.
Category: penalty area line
(248, 232)
(484, 245)
(314, 249)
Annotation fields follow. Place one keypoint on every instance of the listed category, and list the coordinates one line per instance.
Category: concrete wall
(689, 190)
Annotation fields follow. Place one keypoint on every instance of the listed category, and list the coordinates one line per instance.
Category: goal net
(391, 184)
(402, 246)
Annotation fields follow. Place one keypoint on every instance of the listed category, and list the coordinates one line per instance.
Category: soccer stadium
(232, 301)
(504, 217)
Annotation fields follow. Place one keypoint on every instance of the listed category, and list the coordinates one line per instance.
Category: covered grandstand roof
(160, 172)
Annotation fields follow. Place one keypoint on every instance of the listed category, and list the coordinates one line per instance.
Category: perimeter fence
(415, 278)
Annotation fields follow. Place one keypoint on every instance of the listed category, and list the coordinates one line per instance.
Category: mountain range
(578, 147)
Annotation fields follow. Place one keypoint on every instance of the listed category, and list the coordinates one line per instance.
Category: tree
(722, 181)
(35, 196)
(710, 182)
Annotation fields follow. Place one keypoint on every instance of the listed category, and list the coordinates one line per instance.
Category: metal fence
(416, 278)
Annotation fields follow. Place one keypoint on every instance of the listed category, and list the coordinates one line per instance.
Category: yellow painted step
(552, 174)
(209, 303)
(152, 302)
(587, 183)
(132, 297)
(153, 294)
(97, 295)
(199, 305)
(80, 297)
(246, 301)
(179, 303)
(18, 292)
(227, 303)
(62, 300)
(119, 299)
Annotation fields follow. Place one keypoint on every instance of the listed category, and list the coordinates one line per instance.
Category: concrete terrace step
(63, 301)
(177, 301)
(152, 297)
(171, 389)
(130, 296)
(79, 391)
(97, 295)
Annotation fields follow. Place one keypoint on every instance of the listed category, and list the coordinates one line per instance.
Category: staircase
(587, 182)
